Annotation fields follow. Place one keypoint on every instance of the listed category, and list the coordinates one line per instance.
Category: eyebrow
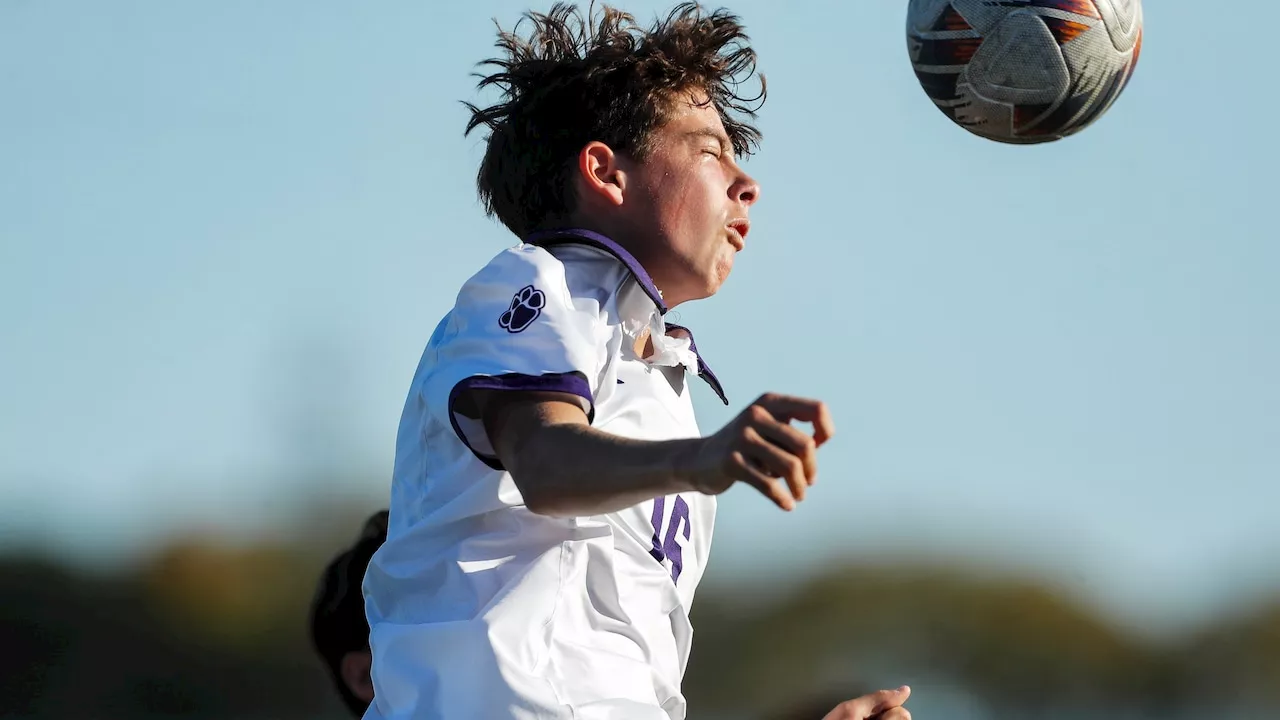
(713, 134)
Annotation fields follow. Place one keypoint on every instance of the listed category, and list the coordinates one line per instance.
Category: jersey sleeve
(515, 327)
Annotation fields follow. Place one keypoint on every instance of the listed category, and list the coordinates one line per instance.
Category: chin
(712, 285)
(721, 274)
(704, 282)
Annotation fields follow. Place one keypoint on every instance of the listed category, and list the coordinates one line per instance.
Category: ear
(355, 669)
(600, 173)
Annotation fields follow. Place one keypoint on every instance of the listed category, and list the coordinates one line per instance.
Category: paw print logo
(526, 306)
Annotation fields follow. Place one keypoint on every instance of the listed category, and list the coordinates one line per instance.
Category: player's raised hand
(761, 448)
(882, 705)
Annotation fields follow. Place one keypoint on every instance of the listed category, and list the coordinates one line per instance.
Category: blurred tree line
(207, 629)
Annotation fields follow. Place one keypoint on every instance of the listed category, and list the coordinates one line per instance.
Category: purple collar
(704, 370)
(578, 236)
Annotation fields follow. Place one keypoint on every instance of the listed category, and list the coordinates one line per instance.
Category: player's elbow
(541, 497)
(549, 507)
(536, 474)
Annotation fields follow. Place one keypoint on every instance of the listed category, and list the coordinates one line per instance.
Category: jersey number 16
(665, 545)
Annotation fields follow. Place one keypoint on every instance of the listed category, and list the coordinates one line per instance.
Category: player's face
(692, 205)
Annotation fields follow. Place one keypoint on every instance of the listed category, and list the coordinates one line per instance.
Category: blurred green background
(204, 627)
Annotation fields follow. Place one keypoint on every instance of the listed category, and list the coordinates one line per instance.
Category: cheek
(674, 202)
(687, 207)
(684, 198)
(701, 219)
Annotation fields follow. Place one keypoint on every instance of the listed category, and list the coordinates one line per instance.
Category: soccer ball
(1024, 71)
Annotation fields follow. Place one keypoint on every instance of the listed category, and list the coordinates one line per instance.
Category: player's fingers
(776, 462)
(885, 700)
(786, 408)
(746, 471)
(873, 705)
(824, 428)
(795, 442)
(898, 713)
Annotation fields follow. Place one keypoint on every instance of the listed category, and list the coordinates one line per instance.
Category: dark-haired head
(569, 82)
(338, 628)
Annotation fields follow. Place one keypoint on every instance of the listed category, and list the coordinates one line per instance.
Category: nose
(746, 190)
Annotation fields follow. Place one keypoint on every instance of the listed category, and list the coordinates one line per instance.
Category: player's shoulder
(560, 274)
(521, 261)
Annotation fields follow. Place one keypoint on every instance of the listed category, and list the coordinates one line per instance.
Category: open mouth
(738, 232)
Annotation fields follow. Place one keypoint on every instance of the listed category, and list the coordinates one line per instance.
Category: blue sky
(227, 229)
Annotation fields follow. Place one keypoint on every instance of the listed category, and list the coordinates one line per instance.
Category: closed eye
(713, 142)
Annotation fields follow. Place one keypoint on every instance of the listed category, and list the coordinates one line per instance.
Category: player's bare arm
(564, 467)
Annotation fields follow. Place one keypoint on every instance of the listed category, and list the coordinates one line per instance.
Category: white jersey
(479, 608)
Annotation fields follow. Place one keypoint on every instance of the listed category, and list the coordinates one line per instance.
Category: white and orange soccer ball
(1024, 71)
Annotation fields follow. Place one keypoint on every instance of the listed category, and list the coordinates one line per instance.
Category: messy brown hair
(574, 79)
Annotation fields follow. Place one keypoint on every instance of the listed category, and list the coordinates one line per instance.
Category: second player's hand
(761, 448)
(883, 705)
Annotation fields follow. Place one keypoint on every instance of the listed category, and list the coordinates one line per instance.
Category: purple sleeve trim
(573, 383)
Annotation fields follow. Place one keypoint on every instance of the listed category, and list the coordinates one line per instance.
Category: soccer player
(553, 500)
(339, 630)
